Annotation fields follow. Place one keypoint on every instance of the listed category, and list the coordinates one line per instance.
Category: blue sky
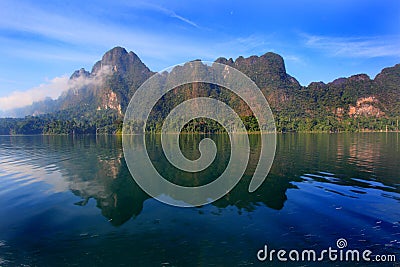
(43, 42)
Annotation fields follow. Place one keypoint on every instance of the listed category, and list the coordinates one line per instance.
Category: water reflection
(100, 172)
(94, 167)
(97, 170)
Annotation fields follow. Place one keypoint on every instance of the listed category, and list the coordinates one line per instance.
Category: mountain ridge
(331, 106)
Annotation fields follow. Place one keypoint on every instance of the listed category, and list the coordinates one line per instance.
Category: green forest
(354, 104)
(110, 123)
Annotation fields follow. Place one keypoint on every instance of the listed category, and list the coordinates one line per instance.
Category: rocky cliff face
(109, 100)
(110, 84)
(359, 95)
(367, 107)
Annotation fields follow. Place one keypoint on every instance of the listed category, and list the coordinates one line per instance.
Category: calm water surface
(71, 201)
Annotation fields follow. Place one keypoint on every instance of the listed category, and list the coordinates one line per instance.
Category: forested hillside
(97, 100)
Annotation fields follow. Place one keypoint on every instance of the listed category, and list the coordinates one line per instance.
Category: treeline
(334, 125)
(106, 122)
(65, 122)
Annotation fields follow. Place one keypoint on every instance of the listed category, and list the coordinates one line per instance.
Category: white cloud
(366, 47)
(53, 88)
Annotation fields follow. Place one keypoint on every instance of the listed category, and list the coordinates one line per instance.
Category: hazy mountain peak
(225, 61)
(120, 61)
(80, 73)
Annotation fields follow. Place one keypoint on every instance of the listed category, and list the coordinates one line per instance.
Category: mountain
(110, 84)
(97, 100)
(387, 85)
(269, 73)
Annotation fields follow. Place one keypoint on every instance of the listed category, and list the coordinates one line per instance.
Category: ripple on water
(360, 210)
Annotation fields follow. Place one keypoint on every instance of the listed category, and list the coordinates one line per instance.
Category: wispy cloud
(156, 47)
(58, 37)
(293, 58)
(163, 10)
(367, 47)
(88, 32)
(53, 89)
(172, 14)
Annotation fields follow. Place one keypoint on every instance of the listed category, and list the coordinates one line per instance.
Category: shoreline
(201, 133)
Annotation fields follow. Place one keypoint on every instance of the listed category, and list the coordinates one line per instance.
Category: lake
(71, 201)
